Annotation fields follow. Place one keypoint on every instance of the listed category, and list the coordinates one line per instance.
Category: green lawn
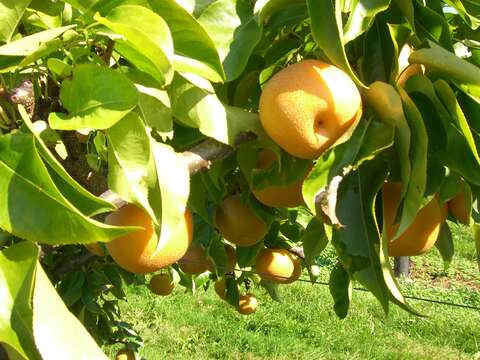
(304, 325)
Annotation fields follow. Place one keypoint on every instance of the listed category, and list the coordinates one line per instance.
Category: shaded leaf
(314, 240)
(444, 244)
(362, 16)
(341, 287)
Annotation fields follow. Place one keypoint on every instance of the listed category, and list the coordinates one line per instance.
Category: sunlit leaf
(96, 97)
(17, 273)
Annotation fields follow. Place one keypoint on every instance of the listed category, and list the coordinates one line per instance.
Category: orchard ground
(304, 325)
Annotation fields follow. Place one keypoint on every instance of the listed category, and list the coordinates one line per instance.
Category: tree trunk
(401, 266)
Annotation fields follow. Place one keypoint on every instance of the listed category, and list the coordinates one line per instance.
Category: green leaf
(73, 342)
(357, 242)
(45, 14)
(11, 12)
(469, 10)
(431, 25)
(30, 202)
(231, 291)
(449, 100)
(412, 201)
(17, 271)
(83, 200)
(81, 5)
(272, 289)
(195, 51)
(132, 172)
(368, 140)
(234, 31)
(362, 16)
(146, 33)
(195, 107)
(447, 64)
(408, 11)
(314, 240)
(264, 9)
(444, 244)
(154, 108)
(29, 44)
(360, 248)
(174, 183)
(326, 23)
(457, 153)
(29, 49)
(387, 104)
(96, 97)
(246, 255)
(341, 287)
(378, 61)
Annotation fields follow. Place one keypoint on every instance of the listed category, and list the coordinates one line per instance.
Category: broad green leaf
(174, 183)
(457, 153)
(469, 10)
(265, 9)
(246, 255)
(432, 26)
(449, 100)
(146, 33)
(234, 31)
(379, 54)
(387, 104)
(326, 23)
(11, 12)
(81, 5)
(445, 246)
(412, 201)
(408, 11)
(29, 49)
(96, 97)
(231, 291)
(314, 240)
(131, 167)
(17, 272)
(29, 44)
(197, 108)
(362, 16)
(83, 200)
(341, 288)
(447, 63)
(45, 14)
(195, 51)
(358, 241)
(154, 108)
(368, 140)
(30, 203)
(73, 342)
(272, 289)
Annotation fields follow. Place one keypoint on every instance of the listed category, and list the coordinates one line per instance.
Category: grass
(304, 325)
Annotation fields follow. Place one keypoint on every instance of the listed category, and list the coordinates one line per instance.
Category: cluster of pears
(305, 108)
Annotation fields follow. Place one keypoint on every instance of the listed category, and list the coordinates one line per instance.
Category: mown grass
(304, 325)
